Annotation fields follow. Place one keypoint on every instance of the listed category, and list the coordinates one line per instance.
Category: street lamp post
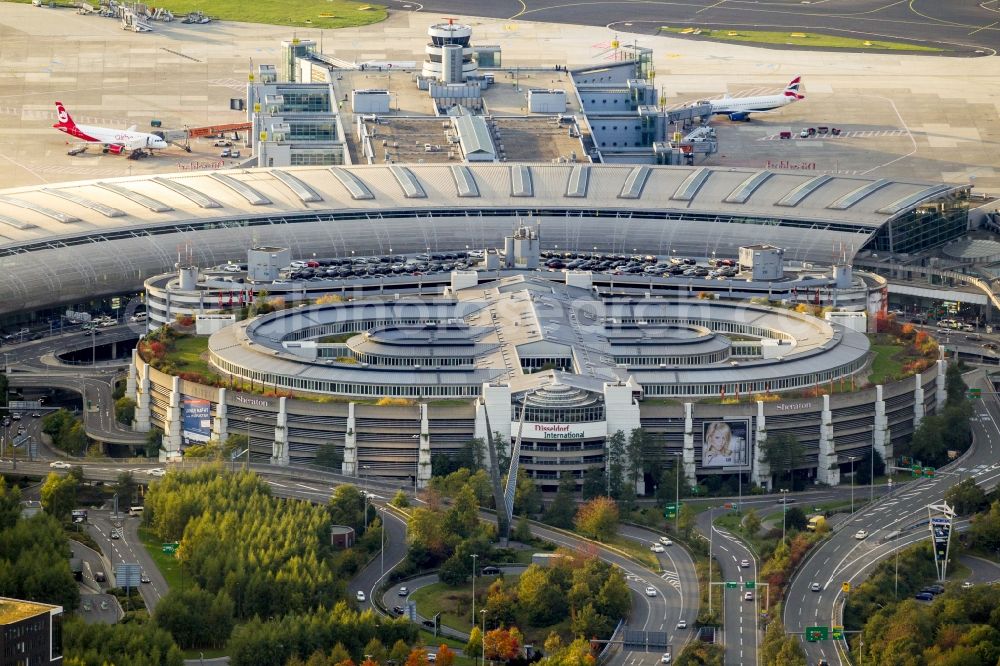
(382, 542)
(677, 494)
(711, 536)
(851, 458)
(247, 421)
(483, 652)
(871, 474)
(784, 510)
(364, 473)
(474, 558)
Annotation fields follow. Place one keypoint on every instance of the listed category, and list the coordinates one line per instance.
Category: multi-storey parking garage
(459, 355)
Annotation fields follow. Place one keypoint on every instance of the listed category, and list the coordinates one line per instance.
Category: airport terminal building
(408, 366)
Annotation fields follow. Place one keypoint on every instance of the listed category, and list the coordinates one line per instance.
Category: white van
(138, 317)
(135, 511)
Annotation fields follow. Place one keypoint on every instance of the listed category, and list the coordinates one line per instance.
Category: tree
(347, 507)
(125, 488)
(59, 495)
(686, 519)
(154, 442)
(502, 644)
(339, 654)
(541, 600)
(598, 518)
(595, 483)
(527, 497)
(463, 517)
(400, 500)
(328, 456)
(375, 650)
(985, 530)
(752, 522)
(795, 518)
(966, 497)
(125, 410)
(783, 452)
(399, 652)
(616, 463)
(445, 656)
(954, 386)
(195, 617)
(588, 622)
(666, 487)
(474, 646)
(10, 505)
(522, 530)
(863, 467)
(560, 513)
(636, 450)
(456, 570)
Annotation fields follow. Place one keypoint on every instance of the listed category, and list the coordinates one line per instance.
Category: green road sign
(837, 633)
(170, 548)
(670, 510)
(975, 393)
(915, 471)
(731, 585)
(750, 584)
(814, 634)
(929, 472)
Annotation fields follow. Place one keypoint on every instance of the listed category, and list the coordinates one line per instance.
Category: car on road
(745, 564)
(933, 589)
(490, 571)
(398, 610)
(786, 500)
(657, 548)
(157, 471)
(144, 578)
(748, 596)
(360, 596)
(99, 577)
(59, 464)
(666, 658)
(115, 535)
(650, 591)
(815, 587)
(861, 535)
(682, 624)
(967, 584)
(403, 591)
(432, 657)
(923, 596)
(666, 542)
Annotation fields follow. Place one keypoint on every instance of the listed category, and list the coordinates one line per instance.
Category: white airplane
(114, 140)
(740, 108)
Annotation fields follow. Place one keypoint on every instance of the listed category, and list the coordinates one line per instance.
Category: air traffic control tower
(449, 53)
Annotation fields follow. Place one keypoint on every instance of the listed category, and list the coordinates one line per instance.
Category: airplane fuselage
(105, 135)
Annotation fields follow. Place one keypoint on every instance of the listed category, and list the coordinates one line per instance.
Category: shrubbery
(67, 432)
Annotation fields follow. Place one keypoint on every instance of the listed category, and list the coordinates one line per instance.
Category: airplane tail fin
(792, 89)
(65, 120)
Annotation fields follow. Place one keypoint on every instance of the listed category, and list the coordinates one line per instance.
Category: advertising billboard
(196, 420)
(941, 530)
(725, 443)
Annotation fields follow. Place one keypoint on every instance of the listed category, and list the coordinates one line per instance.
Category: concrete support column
(827, 470)
(940, 390)
(918, 400)
(689, 468)
(424, 453)
(130, 380)
(172, 424)
(220, 424)
(760, 471)
(279, 450)
(493, 413)
(350, 465)
(142, 410)
(880, 436)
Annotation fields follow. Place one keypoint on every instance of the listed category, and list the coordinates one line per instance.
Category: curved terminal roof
(63, 241)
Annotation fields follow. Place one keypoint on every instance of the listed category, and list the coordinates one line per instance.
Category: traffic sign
(128, 574)
(670, 510)
(845, 587)
(975, 393)
(929, 472)
(170, 548)
(750, 584)
(731, 585)
(814, 634)
(836, 633)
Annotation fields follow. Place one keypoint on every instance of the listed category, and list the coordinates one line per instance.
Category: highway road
(740, 626)
(843, 558)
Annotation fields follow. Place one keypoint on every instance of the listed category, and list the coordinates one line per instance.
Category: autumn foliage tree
(502, 644)
(445, 656)
(598, 518)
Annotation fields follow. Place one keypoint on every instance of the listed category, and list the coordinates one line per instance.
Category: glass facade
(312, 131)
(311, 102)
(930, 224)
(305, 157)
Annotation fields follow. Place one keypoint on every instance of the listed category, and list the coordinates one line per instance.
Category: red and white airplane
(740, 108)
(114, 140)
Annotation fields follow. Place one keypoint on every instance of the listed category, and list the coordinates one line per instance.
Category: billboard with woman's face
(725, 443)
